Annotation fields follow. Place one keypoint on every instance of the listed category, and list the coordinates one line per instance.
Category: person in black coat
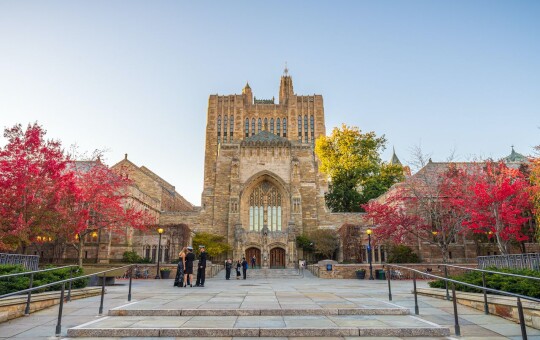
(188, 273)
(228, 267)
(201, 269)
(244, 267)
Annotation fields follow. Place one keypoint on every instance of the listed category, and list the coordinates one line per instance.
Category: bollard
(60, 309)
(102, 294)
(521, 320)
(69, 286)
(456, 320)
(416, 310)
(29, 298)
(389, 288)
(130, 279)
(446, 282)
(486, 308)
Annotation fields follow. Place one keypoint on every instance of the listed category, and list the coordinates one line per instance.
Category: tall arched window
(300, 128)
(225, 123)
(272, 125)
(253, 126)
(259, 125)
(312, 128)
(246, 127)
(278, 126)
(231, 128)
(305, 129)
(284, 127)
(219, 129)
(265, 207)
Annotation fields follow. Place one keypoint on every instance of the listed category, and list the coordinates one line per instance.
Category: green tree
(325, 242)
(352, 161)
(215, 245)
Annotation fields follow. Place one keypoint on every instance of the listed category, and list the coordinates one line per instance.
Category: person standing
(188, 273)
(253, 262)
(201, 269)
(179, 279)
(238, 266)
(228, 267)
(245, 266)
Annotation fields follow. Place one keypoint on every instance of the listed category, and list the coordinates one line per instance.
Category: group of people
(239, 265)
(184, 273)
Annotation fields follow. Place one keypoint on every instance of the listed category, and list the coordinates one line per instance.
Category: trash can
(380, 274)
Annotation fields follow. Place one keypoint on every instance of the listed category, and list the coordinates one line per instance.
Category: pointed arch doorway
(277, 258)
(250, 252)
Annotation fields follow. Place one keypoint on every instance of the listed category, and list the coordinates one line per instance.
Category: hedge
(505, 283)
(13, 284)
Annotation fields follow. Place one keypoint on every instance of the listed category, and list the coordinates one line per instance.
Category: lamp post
(94, 235)
(158, 274)
(368, 232)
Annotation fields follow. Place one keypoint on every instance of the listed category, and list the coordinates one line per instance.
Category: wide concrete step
(266, 273)
(260, 326)
(258, 312)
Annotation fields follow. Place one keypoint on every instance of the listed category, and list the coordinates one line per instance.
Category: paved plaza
(265, 303)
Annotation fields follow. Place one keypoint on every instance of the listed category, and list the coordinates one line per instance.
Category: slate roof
(515, 157)
(265, 137)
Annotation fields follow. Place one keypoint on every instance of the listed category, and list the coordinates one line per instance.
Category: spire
(515, 157)
(286, 70)
(394, 159)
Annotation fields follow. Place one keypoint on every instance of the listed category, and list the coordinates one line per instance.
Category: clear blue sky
(134, 76)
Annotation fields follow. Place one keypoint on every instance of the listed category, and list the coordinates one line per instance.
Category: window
(265, 200)
(231, 128)
(278, 127)
(219, 129)
(253, 126)
(300, 128)
(225, 121)
(305, 129)
(147, 252)
(247, 127)
(266, 124)
(284, 127)
(259, 125)
(272, 125)
(154, 252)
(166, 255)
(312, 128)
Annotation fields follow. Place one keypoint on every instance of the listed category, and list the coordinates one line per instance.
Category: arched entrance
(250, 252)
(277, 258)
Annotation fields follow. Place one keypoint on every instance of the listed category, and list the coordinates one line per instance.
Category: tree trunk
(80, 251)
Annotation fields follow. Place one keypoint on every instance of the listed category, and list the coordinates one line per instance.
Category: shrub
(497, 281)
(17, 283)
(131, 257)
(402, 254)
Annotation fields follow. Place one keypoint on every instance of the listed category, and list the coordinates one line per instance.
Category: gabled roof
(265, 137)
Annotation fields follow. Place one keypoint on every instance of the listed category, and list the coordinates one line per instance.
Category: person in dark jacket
(228, 267)
(238, 266)
(188, 273)
(201, 269)
(245, 266)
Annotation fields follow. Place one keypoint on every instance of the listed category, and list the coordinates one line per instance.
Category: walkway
(277, 299)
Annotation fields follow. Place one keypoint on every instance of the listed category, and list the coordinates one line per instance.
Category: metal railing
(514, 261)
(454, 300)
(29, 295)
(70, 280)
(29, 262)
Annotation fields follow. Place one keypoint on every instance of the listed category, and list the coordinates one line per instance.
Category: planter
(361, 275)
(165, 274)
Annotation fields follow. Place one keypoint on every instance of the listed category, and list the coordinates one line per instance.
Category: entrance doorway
(250, 252)
(277, 258)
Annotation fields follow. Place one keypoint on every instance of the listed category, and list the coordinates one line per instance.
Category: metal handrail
(454, 282)
(493, 272)
(35, 271)
(70, 280)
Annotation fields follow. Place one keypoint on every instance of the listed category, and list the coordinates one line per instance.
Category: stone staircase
(323, 322)
(266, 273)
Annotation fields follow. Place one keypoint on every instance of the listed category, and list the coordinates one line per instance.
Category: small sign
(328, 267)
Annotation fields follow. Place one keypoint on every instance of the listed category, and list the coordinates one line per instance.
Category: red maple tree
(33, 183)
(422, 208)
(497, 201)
